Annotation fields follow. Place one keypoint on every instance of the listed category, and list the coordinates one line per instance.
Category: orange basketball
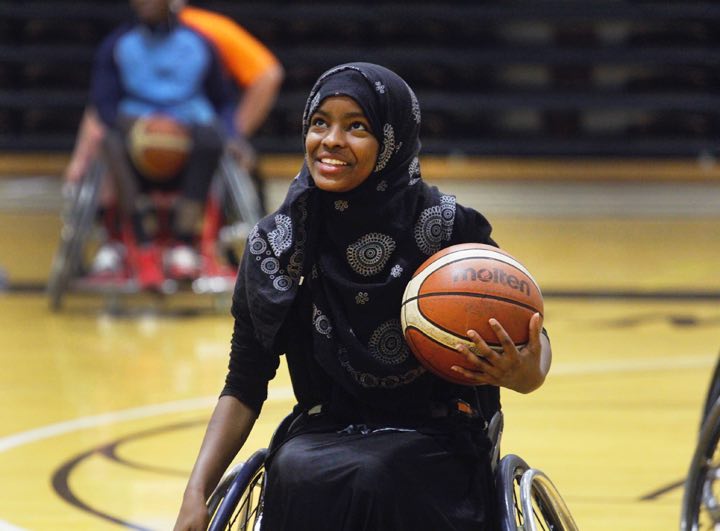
(459, 289)
(159, 146)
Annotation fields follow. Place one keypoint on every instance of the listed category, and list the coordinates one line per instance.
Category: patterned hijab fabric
(356, 250)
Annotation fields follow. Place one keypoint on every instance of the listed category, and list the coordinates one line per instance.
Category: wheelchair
(701, 495)
(527, 499)
(232, 208)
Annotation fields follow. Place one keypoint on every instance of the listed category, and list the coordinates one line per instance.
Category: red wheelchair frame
(232, 208)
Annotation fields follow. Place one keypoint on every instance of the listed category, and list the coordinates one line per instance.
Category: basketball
(159, 146)
(459, 289)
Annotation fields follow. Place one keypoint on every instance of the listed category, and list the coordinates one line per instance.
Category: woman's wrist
(193, 490)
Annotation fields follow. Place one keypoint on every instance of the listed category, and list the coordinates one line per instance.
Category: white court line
(284, 393)
(62, 428)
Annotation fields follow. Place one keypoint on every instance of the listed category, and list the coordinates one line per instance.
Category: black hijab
(356, 250)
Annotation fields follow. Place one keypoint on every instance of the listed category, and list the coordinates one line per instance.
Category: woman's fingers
(481, 359)
(479, 378)
(475, 359)
(535, 328)
(505, 341)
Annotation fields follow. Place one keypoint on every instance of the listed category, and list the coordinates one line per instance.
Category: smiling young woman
(340, 148)
(321, 282)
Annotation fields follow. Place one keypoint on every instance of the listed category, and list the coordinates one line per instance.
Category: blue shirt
(171, 70)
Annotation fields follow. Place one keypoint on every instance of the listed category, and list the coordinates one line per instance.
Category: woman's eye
(358, 126)
(317, 122)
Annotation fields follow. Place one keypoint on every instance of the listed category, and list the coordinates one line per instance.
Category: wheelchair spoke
(240, 492)
(709, 517)
(249, 510)
(539, 514)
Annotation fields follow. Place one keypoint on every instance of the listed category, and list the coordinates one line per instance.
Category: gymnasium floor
(102, 413)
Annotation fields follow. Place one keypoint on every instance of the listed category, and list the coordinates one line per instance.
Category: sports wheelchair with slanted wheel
(527, 499)
(701, 498)
(232, 208)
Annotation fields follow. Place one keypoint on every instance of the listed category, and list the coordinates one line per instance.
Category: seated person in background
(253, 68)
(158, 65)
(256, 73)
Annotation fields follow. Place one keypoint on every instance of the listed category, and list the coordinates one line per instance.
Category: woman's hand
(227, 430)
(522, 370)
(193, 514)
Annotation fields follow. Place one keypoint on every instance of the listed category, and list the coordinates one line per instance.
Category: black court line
(668, 294)
(23, 288)
(111, 450)
(61, 485)
(131, 305)
(32, 288)
(61, 476)
(654, 494)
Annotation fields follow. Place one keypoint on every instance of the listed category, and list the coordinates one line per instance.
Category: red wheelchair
(232, 208)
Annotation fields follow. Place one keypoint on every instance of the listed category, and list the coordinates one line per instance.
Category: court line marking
(284, 393)
(62, 428)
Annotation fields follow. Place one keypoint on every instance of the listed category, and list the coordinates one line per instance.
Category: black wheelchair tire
(237, 494)
(547, 510)
(74, 235)
(510, 470)
(713, 392)
(706, 456)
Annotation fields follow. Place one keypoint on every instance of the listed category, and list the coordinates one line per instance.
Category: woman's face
(340, 150)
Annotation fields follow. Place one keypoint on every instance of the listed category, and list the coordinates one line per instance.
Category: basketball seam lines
(470, 294)
(436, 367)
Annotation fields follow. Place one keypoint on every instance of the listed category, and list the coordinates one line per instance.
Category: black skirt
(361, 478)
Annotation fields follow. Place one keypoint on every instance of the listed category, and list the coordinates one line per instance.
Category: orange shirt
(241, 53)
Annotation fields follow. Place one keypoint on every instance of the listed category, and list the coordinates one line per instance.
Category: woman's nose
(334, 137)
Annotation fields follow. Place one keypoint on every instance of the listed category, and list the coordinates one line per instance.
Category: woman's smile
(331, 166)
(340, 149)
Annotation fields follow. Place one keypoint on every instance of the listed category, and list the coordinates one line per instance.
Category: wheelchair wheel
(241, 193)
(77, 224)
(241, 205)
(495, 431)
(237, 501)
(528, 500)
(701, 498)
(713, 393)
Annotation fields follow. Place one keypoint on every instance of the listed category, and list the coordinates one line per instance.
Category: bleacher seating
(517, 77)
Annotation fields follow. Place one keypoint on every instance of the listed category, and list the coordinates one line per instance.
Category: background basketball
(459, 289)
(159, 146)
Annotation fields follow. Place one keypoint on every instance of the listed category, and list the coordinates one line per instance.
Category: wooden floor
(101, 414)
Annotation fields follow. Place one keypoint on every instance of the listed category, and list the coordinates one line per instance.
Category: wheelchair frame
(701, 496)
(231, 184)
(527, 499)
(78, 219)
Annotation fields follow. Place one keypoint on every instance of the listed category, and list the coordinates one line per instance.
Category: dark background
(566, 78)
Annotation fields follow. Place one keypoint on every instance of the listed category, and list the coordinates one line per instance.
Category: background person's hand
(243, 152)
